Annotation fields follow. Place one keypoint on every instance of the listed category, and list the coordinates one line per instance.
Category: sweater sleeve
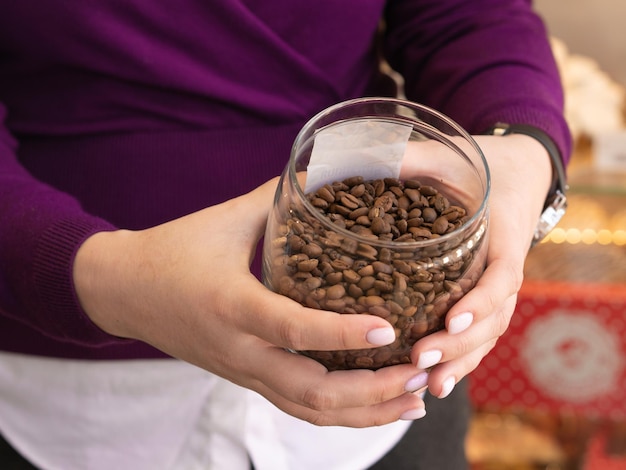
(40, 231)
(479, 62)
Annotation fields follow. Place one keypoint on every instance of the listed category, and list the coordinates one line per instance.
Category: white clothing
(163, 415)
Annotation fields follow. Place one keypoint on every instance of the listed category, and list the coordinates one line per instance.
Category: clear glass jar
(394, 223)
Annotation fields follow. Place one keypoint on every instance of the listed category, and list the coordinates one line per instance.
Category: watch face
(551, 216)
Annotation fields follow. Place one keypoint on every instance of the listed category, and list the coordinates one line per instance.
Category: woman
(137, 152)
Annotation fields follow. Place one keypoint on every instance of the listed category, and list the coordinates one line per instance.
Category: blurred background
(551, 395)
(594, 28)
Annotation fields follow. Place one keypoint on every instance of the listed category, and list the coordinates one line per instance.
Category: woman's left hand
(520, 177)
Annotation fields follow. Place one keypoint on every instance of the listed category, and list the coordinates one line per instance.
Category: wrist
(555, 203)
(98, 279)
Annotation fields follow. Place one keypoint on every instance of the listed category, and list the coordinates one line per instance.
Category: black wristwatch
(556, 202)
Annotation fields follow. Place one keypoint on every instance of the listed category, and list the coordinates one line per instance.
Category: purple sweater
(128, 113)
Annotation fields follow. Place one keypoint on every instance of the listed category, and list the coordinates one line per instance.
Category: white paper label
(371, 149)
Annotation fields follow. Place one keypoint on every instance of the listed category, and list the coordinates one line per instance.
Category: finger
(351, 398)
(408, 406)
(280, 320)
(500, 281)
(493, 297)
(443, 347)
(309, 384)
(444, 377)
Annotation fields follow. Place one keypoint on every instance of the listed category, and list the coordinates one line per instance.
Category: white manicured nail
(447, 387)
(411, 415)
(460, 323)
(417, 382)
(381, 336)
(428, 359)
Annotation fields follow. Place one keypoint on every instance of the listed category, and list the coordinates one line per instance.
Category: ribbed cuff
(55, 295)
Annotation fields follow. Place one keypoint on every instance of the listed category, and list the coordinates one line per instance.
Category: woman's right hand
(185, 287)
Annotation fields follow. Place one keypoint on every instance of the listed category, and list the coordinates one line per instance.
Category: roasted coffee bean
(407, 237)
(363, 362)
(335, 292)
(349, 246)
(385, 255)
(402, 226)
(366, 282)
(380, 311)
(402, 267)
(366, 270)
(337, 305)
(360, 212)
(312, 283)
(403, 205)
(296, 243)
(340, 264)
(301, 276)
(440, 225)
(414, 222)
(363, 220)
(383, 286)
(428, 190)
(353, 181)
(327, 269)
(338, 220)
(326, 193)
(297, 258)
(312, 250)
(320, 203)
(371, 300)
(385, 201)
(355, 291)
(379, 187)
(397, 192)
(380, 226)
(307, 265)
(394, 307)
(367, 251)
(382, 356)
(429, 214)
(362, 231)
(400, 284)
(380, 267)
(358, 190)
(440, 203)
(351, 276)
(420, 233)
(413, 194)
(286, 284)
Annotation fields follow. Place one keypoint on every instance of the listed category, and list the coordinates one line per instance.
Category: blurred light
(587, 236)
(619, 237)
(572, 236)
(556, 236)
(605, 237)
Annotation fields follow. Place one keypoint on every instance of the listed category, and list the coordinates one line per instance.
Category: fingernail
(460, 323)
(416, 382)
(428, 359)
(381, 336)
(447, 387)
(414, 414)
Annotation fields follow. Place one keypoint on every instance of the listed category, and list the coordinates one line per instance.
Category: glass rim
(481, 210)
